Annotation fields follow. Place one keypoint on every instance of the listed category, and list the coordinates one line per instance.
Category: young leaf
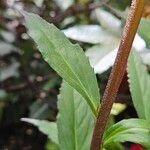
(139, 82)
(144, 31)
(46, 127)
(68, 60)
(130, 130)
(75, 121)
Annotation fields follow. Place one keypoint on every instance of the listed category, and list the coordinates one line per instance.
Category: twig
(117, 72)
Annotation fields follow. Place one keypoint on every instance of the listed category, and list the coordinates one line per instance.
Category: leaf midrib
(93, 107)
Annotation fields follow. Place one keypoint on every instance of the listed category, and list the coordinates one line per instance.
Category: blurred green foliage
(28, 86)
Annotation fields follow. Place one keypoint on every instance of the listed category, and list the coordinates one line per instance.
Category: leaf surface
(144, 31)
(139, 82)
(129, 130)
(75, 121)
(68, 60)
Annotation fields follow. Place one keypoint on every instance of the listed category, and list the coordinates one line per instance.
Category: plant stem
(117, 72)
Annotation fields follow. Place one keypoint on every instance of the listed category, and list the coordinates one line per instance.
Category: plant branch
(117, 72)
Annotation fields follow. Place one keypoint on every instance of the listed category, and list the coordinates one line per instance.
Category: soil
(21, 136)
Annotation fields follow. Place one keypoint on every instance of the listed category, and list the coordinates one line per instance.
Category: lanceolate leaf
(144, 31)
(75, 121)
(46, 127)
(139, 81)
(67, 59)
(130, 130)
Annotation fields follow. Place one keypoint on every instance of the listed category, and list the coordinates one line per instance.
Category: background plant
(106, 32)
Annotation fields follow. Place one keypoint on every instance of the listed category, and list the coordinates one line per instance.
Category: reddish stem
(117, 72)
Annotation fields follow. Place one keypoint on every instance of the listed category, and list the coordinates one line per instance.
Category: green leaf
(51, 146)
(75, 121)
(68, 60)
(139, 82)
(115, 146)
(46, 127)
(130, 130)
(144, 31)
